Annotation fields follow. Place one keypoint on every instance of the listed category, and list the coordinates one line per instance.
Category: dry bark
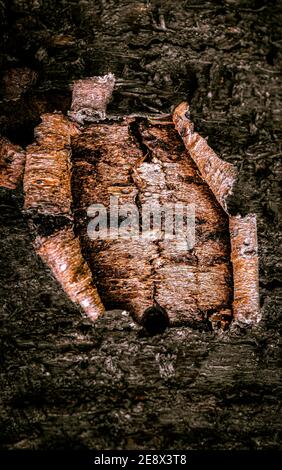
(61, 252)
(69, 384)
(219, 175)
(90, 98)
(245, 263)
(17, 81)
(47, 171)
(138, 274)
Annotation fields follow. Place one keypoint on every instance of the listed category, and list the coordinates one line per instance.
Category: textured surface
(245, 262)
(68, 384)
(62, 254)
(12, 161)
(147, 166)
(47, 178)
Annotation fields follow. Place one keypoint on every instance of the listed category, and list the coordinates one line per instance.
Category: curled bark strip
(47, 183)
(244, 256)
(61, 252)
(12, 159)
(90, 98)
(219, 175)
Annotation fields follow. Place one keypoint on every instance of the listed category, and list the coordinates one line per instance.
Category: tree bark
(69, 384)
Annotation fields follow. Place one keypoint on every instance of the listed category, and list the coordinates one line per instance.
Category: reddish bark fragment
(61, 252)
(219, 175)
(137, 274)
(90, 98)
(48, 168)
(12, 159)
(245, 262)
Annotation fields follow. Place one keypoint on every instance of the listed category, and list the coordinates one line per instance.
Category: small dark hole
(155, 320)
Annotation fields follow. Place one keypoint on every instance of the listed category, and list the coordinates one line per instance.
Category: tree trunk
(67, 383)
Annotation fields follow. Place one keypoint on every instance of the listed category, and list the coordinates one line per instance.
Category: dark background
(69, 384)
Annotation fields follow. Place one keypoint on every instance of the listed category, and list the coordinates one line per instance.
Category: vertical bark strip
(61, 252)
(47, 179)
(47, 186)
(12, 159)
(219, 175)
(244, 256)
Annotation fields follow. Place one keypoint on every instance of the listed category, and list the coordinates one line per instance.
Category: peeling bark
(219, 175)
(147, 164)
(90, 98)
(47, 173)
(61, 252)
(245, 263)
(66, 384)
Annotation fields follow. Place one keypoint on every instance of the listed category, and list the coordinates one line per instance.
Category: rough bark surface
(47, 178)
(62, 254)
(244, 256)
(146, 165)
(68, 384)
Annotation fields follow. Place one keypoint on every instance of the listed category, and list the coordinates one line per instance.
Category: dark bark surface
(65, 382)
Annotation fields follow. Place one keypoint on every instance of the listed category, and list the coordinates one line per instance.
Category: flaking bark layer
(62, 253)
(221, 177)
(147, 164)
(47, 172)
(243, 232)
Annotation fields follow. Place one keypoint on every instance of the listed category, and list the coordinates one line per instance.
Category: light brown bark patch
(62, 253)
(245, 262)
(48, 169)
(145, 163)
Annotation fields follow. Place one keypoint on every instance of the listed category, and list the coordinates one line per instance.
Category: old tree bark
(67, 383)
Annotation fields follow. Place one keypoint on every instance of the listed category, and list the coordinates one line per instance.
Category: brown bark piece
(219, 175)
(136, 274)
(103, 158)
(48, 168)
(243, 233)
(12, 159)
(61, 252)
(90, 98)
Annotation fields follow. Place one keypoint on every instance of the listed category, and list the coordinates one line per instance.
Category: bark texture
(244, 255)
(146, 165)
(12, 162)
(47, 180)
(68, 384)
(62, 254)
